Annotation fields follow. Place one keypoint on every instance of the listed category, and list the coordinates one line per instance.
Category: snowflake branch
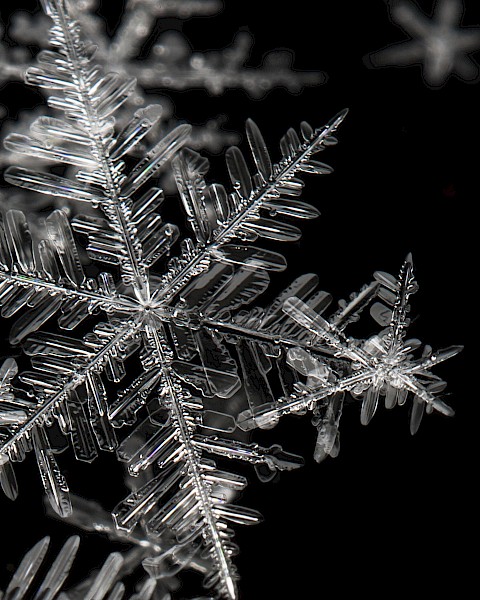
(236, 330)
(94, 121)
(286, 406)
(248, 209)
(190, 456)
(96, 300)
(44, 411)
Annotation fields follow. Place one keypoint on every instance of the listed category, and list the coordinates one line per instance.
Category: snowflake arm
(50, 271)
(193, 506)
(404, 288)
(217, 217)
(65, 368)
(89, 99)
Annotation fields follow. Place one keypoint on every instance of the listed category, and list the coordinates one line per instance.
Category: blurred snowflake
(438, 43)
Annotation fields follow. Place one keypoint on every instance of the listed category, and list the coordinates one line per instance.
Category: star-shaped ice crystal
(438, 43)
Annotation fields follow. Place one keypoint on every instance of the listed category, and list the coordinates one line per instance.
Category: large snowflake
(199, 352)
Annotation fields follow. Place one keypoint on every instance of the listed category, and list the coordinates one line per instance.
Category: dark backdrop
(392, 513)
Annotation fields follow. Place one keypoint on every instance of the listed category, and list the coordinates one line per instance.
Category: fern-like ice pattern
(187, 326)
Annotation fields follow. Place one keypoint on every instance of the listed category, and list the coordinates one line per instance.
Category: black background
(392, 513)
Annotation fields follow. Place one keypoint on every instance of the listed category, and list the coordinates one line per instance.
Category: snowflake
(438, 43)
(169, 357)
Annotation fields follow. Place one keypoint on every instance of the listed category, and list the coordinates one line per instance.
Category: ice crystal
(438, 43)
(164, 358)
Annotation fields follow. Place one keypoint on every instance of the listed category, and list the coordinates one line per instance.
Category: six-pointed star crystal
(439, 44)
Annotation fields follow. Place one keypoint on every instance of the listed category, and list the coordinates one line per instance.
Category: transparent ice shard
(8, 480)
(53, 481)
(27, 570)
(250, 256)
(259, 150)
(154, 160)
(369, 404)
(80, 432)
(105, 577)
(59, 570)
(327, 423)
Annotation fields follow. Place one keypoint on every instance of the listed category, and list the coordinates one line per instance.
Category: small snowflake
(439, 44)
